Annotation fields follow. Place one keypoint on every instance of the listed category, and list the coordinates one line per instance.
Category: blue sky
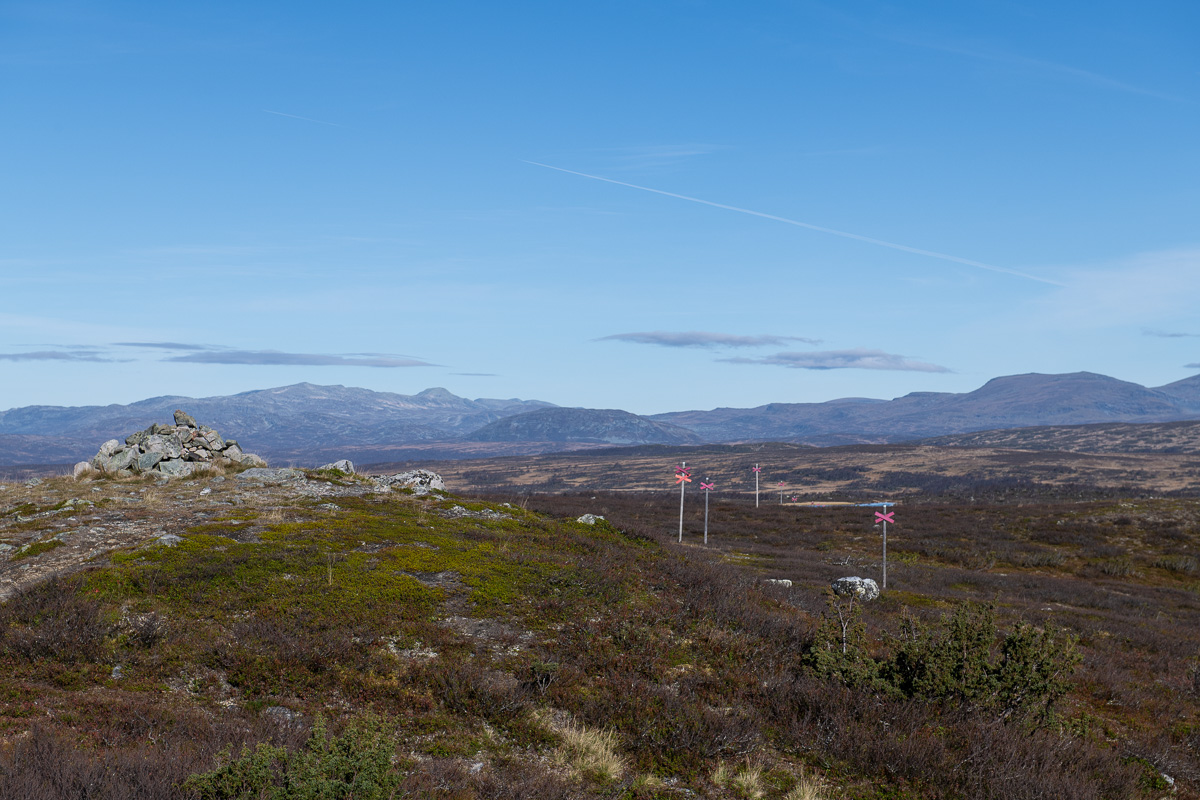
(652, 206)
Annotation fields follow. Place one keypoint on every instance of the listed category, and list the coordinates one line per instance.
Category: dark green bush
(963, 661)
(357, 764)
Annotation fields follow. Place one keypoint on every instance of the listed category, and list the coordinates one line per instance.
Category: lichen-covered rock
(344, 466)
(863, 588)
(148, 461)
(175, 468)
(589, 519)
(183, 418)
(249, 460)
(168, 446)
(421, 481)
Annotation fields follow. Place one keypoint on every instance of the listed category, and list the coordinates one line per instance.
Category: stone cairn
(172, 451)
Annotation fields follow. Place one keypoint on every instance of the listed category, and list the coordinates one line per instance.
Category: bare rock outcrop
(421, 481)
(862, 588)
(172, 451)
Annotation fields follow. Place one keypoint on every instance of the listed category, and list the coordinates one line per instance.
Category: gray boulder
(589, 519)
(344, 466)
(175, 468)
(421, 481)
(122, 459)
(81, 469)
(862, 588)
(148, 461)
(249, 460)
(182, 418)
(108, 448)
(168, 446)
(208, 439)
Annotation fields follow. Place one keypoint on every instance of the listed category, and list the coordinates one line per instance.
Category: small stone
(169, 539)
(182, 418)
(206, 490)
(589, 519)
(117, 672)
(81, 469)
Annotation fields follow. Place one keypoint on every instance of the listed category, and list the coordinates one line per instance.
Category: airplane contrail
(306, 119)
(810, 226)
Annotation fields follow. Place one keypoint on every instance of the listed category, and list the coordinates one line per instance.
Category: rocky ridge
(171, 451)
(58, 526)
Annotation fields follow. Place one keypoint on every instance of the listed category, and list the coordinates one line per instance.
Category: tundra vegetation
(386, 645)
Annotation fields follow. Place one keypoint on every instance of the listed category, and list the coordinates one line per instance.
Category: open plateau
(508, 599)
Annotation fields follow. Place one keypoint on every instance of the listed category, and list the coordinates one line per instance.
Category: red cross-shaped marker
(756, 469)
(880, 517)
(704, 485)
(681, 477)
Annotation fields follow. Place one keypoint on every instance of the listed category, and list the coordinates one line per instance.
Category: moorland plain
(1040, 640)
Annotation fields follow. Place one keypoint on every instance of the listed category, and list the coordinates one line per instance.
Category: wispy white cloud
(858, 358)
(306, 119)
(1169, 334)
(277, 358)
(704, 339)
(1042, 66)
(655, 155)
(821, 229)
(59, 355)
(167, 345)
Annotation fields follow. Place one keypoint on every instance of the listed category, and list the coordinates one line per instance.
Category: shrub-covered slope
(332, 642)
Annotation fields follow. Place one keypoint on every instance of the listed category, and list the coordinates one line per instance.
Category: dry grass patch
(593, 753)
(808, 787)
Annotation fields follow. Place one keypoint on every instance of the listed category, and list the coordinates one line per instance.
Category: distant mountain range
(308, 424)
(302, 422)
(1015, 401)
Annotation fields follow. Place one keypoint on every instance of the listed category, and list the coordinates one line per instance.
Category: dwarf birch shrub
(962, 661)
(357, 764)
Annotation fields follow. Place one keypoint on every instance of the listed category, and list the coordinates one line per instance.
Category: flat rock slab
(271, 475)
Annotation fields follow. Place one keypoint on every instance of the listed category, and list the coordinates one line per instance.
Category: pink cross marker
(704, 485)
(757, 469)
(888, 517)
(681, 477)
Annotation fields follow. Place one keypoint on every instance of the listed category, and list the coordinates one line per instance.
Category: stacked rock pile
(169, 450)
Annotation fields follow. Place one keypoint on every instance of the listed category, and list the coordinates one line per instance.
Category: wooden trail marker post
(683, 478)
(706, 487)
(885, 518)
(757, 469)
